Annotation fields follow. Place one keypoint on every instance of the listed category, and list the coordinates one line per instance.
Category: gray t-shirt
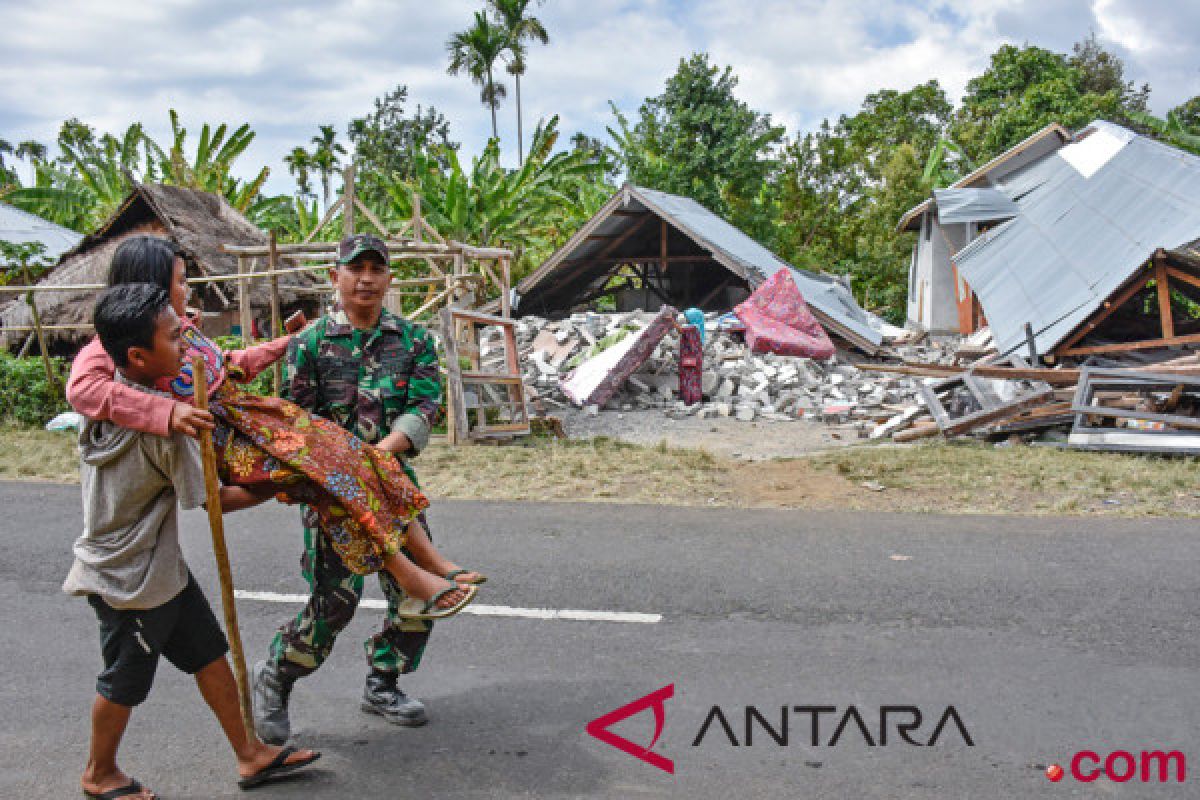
(133, 485)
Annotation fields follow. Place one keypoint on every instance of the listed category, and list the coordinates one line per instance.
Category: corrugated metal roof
(973, 205)
(821, 291)
(990, 171)
(20, 226)
(1079, 236)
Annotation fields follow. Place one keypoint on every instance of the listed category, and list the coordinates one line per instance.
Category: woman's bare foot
(264, 754)
(424, 585)
(426, 556)
(99, 784)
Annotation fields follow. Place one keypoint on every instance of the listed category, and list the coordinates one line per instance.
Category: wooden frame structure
(1165, 430)
(458, 272)
(991, 408)
(461, 341)
(1164, 269)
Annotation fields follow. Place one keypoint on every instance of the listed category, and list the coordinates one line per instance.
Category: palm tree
(299, 162)
(31, 150)
(7, 174)
(325, 157)
(475, 52)
(520, 27)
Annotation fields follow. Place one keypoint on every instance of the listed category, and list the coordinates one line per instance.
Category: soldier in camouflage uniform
(381, 383)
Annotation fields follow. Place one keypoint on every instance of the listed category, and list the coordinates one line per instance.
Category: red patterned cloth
(360, 493)
(691, 365)
(778, 321)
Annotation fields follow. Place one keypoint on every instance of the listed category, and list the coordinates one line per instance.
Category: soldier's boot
(382, 696)
(271, 694)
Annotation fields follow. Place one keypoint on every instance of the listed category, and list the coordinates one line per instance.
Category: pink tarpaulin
(778, 321)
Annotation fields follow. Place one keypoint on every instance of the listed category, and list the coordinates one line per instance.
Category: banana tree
(1172, 130)
(947, 162)
(531, 209)
(211, 167)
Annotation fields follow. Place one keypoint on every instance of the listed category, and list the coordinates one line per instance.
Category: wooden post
(272, 266)
(37, 329)
(505, 300)
(245, 313)
(212, 491)
(1163, 285)
(662, 250)
(348, 201)
(416, 217)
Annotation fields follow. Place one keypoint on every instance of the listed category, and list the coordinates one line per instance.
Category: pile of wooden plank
(1152, 408)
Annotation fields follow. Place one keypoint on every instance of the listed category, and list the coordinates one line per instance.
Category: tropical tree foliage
(520, 28)
(533, 208)
(326, 157)
(699, 140)
(93, 174)
(1172, 129)
(388, 140)
(475, 52)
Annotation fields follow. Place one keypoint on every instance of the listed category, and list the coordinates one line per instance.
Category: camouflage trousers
(302, 645)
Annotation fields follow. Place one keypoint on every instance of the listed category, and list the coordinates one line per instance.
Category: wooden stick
(244, 313)
(41, 338)
(348, 201)
(272, 263)
(212, 491)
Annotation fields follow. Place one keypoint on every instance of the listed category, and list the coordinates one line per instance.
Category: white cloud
(286, 67)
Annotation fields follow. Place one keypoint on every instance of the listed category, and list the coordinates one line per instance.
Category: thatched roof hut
(198, 222)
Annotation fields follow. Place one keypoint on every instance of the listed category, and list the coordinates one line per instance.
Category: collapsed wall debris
(736, 382)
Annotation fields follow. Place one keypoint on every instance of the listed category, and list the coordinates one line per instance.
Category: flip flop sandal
(454, 573)
(131, 789)
(413, 608)
(276, 768)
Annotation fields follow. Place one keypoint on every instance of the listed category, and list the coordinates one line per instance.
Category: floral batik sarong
(361, 495)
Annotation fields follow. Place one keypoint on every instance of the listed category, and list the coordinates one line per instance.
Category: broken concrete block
(593, 410)
(723, 409)
(746, 413)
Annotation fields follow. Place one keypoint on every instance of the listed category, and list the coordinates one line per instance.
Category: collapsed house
(939, 301)
(1066, 248)
(198, 222)
(645, 249)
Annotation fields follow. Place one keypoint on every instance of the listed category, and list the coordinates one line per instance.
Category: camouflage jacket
(370, 382)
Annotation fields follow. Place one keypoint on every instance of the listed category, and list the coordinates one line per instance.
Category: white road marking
(480, 609)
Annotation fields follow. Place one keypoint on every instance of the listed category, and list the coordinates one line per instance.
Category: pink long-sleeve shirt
(92, 391)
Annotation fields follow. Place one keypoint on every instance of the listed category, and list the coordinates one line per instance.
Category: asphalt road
(1048, 636)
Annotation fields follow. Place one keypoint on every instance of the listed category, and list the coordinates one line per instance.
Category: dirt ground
(760, 440)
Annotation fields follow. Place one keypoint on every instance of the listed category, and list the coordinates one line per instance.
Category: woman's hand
(189, 420)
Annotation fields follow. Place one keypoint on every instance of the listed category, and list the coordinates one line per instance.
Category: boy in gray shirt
(129, 565)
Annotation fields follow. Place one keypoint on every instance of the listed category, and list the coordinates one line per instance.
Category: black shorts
(183, 630)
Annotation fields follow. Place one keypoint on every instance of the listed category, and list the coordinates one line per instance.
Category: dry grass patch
(38, 455)
(970, 477)
(599, 470)
(945, 477)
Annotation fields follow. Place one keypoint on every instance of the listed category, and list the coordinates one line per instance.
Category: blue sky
(286, 66)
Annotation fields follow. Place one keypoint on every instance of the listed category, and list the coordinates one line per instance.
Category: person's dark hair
(126, 316)
(143, 259)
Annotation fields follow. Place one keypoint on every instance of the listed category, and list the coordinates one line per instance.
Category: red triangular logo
(599, 727)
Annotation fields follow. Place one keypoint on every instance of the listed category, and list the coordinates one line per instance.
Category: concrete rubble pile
(736, 382)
